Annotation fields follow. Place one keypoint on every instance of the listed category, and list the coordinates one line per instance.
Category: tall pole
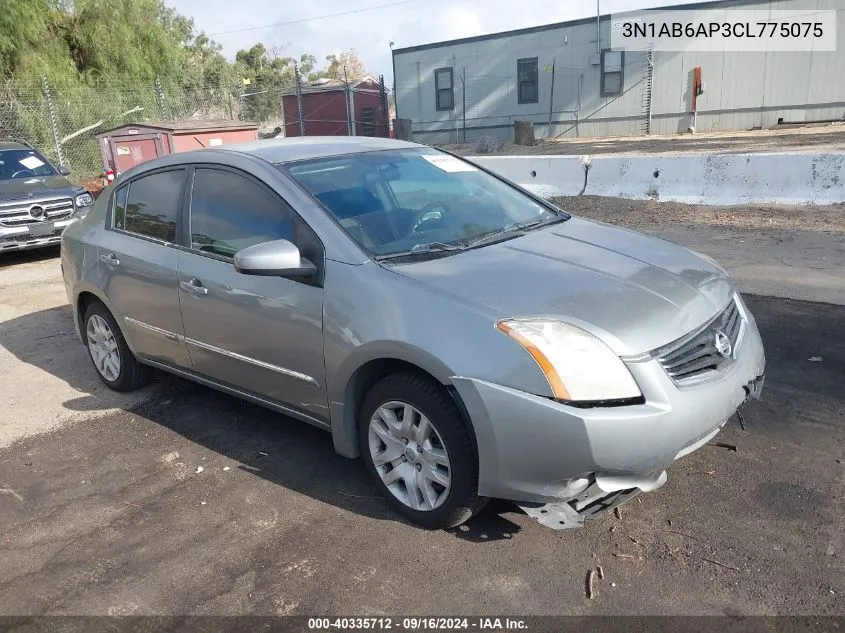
(385, 114)
(299, 99)
(350, 108)
(552, 97)
(598, 26)
(464, 101)
(54, 122)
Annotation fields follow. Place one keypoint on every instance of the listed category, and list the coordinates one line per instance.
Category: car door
(138, 260)
(263, 335)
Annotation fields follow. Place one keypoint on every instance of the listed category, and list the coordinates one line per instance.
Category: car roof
(9, 144)
(285, 150)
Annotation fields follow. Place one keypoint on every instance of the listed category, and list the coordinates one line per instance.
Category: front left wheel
(418, 449)
(116, 366)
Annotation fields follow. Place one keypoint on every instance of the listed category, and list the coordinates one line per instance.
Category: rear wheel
(418, 449)
(115, 364)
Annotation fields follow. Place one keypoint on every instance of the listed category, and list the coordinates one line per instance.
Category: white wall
(743, 90)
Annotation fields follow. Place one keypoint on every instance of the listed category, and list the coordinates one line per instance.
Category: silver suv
(468, 339)
(37, 202)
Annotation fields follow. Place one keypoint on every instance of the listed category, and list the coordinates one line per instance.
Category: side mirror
(64, 170)
(278, 258)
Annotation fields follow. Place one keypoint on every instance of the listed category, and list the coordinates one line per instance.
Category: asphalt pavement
(193, 502)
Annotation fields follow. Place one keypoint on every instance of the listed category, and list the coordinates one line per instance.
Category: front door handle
(110, 259)
(194, 286)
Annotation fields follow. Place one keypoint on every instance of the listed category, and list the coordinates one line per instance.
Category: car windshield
(23, 163)
(418, 201)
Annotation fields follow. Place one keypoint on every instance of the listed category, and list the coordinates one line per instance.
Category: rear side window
(230, 212)
(152, 205)
(120, 207)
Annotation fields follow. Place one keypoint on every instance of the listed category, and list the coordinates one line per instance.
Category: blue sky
(370, 32)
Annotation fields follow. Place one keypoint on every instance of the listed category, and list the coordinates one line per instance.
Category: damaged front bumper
(563, 464)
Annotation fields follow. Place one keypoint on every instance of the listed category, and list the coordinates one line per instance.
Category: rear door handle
(110, 259)
(194, 286)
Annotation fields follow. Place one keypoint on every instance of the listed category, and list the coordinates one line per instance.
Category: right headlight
(578, 366)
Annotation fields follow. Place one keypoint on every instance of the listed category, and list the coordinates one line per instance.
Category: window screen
(612, 69)
(444, 89)
(526, 71)
(153, 204)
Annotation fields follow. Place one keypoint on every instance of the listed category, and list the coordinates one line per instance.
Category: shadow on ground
(301, 458)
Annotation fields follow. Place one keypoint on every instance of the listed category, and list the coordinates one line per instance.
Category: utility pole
(350, 105)
(598, 26)
(54, 122)
(552, 97)
(298, 89)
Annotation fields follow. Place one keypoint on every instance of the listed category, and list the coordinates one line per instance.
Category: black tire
(132, 374)
(431, 399)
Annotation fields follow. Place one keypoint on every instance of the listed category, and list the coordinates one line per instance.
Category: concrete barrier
(545, 176)
(723, 179)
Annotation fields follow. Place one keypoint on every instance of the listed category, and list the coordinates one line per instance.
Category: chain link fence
(62, 121)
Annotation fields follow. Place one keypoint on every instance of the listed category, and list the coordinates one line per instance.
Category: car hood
(40, 187)
(635, 292)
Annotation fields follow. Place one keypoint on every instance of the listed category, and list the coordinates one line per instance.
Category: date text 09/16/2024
(418, 623)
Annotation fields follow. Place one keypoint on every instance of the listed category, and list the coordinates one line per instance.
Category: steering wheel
(23, 171)
(430, 212)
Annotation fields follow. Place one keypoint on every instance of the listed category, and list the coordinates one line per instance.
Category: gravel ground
(113, 515)
(821, 138)
(104, 510)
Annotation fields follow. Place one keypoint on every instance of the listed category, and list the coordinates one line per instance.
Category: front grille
(23, 238)
(695, 355)
(19, 213)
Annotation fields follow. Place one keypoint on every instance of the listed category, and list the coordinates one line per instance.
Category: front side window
(152, 205)
(526, 73)
(400, 201)
(23, 164)
(230, 212)
(444, 89)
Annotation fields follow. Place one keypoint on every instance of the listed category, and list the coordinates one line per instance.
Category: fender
(341, 396)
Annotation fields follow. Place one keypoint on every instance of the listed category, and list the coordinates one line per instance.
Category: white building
(568, 75)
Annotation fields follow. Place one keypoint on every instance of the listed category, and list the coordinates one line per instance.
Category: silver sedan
(467, 339)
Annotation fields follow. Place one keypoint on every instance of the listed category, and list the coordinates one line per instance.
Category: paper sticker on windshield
(448, 163)
(31, 162)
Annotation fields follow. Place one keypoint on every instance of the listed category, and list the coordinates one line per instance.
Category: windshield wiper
(513, 230)
(421, 249)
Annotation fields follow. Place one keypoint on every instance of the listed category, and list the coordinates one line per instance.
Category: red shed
(326, 104)
(126, 146)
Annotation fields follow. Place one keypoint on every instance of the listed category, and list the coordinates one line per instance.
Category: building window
(526, 77)
(368, 121)
(612, 75)
(444, 89)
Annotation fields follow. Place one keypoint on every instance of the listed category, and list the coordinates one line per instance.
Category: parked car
(37, 202)
(467, 339)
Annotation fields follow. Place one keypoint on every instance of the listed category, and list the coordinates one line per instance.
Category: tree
(268, 74)
(345, 66)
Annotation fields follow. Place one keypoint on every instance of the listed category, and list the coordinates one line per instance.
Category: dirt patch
(650, 213)
(94, 186)
(821, 138)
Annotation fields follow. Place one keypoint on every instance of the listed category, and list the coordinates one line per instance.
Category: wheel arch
(84, 297)
(360, 374)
